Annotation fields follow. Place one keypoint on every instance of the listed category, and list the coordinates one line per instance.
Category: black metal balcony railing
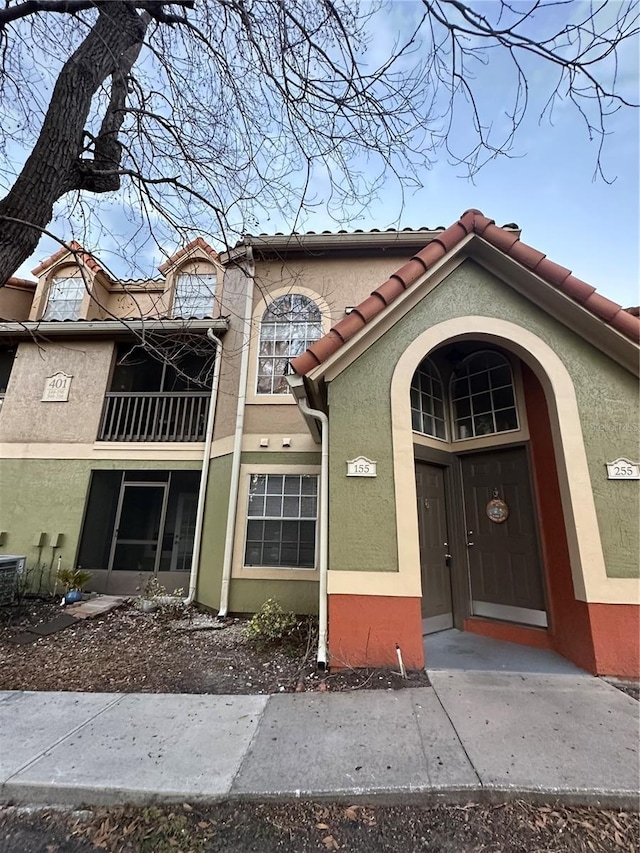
(154, 416)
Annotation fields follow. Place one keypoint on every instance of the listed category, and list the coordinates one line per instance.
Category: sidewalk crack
(462, 746)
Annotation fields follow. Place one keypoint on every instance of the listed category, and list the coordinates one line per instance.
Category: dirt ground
(301, 827)
(163, 652)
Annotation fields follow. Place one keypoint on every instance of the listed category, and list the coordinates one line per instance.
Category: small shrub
(270, 625)
(73, 578)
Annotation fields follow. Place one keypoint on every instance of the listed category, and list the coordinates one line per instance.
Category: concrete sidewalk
(471, 736)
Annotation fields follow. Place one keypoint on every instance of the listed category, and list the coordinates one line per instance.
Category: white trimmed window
(65, 299)
(281, 521)
(289, 325)
(482, 396)
(195, 295)
(427, 401)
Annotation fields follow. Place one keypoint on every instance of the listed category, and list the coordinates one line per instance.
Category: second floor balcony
(154, 416)
(160, 395)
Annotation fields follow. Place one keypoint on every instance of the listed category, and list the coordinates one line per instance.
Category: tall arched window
(289, 325)
(482, 396)
(427, 401)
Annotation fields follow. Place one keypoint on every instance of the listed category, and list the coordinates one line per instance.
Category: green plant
(73, 578)
(271, 624)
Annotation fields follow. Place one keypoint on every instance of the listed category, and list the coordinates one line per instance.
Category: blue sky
(547, 186)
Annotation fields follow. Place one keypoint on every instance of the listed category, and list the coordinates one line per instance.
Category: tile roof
(22, 283)
(471, 222)
(198, 243)
(78, 251)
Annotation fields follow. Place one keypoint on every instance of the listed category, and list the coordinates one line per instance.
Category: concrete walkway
(472, 736)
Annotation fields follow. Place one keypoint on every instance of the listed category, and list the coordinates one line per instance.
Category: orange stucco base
(615, 629)
(364, 631)
(537, 637)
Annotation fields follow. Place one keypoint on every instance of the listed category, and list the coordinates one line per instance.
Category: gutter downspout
(234, 486)
(324, 529)
(204, 476)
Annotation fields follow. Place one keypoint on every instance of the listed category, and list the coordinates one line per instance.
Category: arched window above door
(427, 401)
(290, 324)
(482, 396)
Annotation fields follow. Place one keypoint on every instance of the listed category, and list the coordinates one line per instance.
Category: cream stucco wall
(25, 418)
(15, 303)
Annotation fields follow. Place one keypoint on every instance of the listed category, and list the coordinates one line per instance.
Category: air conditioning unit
(10, 568)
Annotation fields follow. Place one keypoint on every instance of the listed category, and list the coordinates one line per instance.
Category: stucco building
(403, 431)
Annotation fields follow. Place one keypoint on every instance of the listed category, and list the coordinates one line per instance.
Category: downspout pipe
(204, 476)
(234, 486)
(323, 524)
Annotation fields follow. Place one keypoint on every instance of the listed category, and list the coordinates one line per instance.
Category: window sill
(272, 574)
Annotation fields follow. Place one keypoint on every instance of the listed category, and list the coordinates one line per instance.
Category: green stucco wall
(362, 512)
(49, 496)
(247, 596)
(213, 532)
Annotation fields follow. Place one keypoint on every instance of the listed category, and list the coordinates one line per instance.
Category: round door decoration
(497, 510)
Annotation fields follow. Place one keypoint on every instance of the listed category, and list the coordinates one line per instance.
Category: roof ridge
(197, 243)
(77, 250)
(472, 221)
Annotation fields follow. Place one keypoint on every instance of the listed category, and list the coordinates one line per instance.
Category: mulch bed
(164, 652)
(516, 827)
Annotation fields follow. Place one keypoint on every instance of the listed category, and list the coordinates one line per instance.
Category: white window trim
(51, 287)
(260, 307)
(239, 570)
(213, 272)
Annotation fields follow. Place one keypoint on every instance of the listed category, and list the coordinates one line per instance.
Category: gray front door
(505, 574)
(437, 609)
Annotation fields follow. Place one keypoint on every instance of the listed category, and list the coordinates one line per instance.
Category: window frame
(53, 285)
(443, 400)
(212, 294)
(514, 392)
(260, 396)
(239, 570)
(280, 494)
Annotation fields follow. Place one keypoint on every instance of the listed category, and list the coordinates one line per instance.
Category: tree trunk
(55, 167)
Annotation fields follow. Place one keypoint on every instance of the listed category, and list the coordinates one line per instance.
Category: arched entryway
(523, 578)
(477, 521)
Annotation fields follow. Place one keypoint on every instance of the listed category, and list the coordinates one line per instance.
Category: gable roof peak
(78, 253)
(506, 240)
(198, 243)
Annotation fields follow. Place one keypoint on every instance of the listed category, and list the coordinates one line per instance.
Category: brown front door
(437, 609)
(505, 573)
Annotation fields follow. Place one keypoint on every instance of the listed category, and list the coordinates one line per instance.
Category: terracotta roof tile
(198, 243)
(77, 252)
(412, 270)
(625, 321)
(577, 289)
(602, 307)
(371, 307)
(451, 236)
(390, 290)
(431, 253)
(349, 325)
(22, 283)
(326, 346)
(524, 254)
(501, 239)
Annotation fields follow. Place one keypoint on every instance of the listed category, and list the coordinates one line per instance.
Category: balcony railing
(154, 416)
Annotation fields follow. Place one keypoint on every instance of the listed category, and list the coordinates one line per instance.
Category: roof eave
(105, 328)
